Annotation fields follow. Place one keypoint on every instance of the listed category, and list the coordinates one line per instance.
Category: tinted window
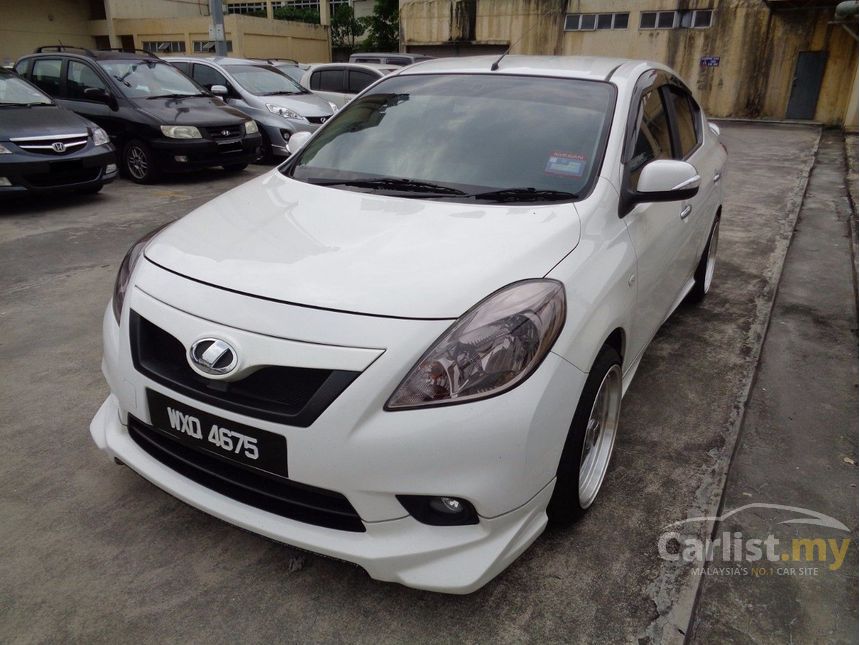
(456, 130)
(685, 122)
(652, 138)
(359, 80)
(328, 80)
(185, 68)
(208, 76)
(391, 60)
(79, 78)
(46, 74)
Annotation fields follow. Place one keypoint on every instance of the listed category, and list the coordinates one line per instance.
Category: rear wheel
(590, 441)
(138, 162)
(707, 264)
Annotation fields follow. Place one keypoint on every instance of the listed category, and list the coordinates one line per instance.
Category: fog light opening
(111, 167)
(181, 158)
(4, 181)
(439, 510)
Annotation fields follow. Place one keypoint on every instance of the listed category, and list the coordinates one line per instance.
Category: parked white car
(406, 347)
(341, 82)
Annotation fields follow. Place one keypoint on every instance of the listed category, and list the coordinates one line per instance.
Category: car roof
(51, 51)
(389, 54)
(584, 67)
(221, 60)
(377, 66)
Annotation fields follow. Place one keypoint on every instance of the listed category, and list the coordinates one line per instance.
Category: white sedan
(406, 347)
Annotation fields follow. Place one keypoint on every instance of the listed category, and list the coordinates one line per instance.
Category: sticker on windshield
(566, 164)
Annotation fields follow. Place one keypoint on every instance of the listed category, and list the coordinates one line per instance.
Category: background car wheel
(708, 262)
(266, 154)
(235, 167)
(588, 449)
(138, 162)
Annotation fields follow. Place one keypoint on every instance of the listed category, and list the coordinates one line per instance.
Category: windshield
(535, 138)
(15, 91)
(292, 71)
(264, 81)
(150, 79)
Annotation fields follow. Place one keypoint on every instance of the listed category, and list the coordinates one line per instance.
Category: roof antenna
(496, 62)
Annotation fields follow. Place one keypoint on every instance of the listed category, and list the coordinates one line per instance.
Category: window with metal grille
(204, 46)
(658, 19)
(592, 21)
(164, 46)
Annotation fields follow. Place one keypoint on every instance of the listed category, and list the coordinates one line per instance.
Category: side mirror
(218, 90)
(102, 96)
(667, 180)
(298, 141)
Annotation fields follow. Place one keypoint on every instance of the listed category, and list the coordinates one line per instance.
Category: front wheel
(707, 264)
(139, 163)
(590, 441)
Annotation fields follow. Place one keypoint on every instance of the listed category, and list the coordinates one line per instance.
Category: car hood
(195, 110)
(304, 104)
(39, 121)
(278, 238)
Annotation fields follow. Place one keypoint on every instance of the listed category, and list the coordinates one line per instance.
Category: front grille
(224, 131)
(318, 119)
(267, 492)
(62, 174)
(291, 395)
(53, 145)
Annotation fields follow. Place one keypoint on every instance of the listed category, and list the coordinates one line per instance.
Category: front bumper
(500, 454)
(177, 155)
(279, 132)
(42, 174)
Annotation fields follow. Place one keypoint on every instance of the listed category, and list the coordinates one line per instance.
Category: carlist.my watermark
(735, 554)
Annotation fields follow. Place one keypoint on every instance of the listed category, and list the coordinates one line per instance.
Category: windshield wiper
(390, 183)
(528, 194)
(174, 96)
(280, 93)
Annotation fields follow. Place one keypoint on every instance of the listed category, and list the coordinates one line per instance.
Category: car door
(207, 76)
(81, 82)
(330, 84)
(657, 229)
(47, 75)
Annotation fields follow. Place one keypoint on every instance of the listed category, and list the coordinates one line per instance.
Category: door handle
(717, 176)
(685, 212)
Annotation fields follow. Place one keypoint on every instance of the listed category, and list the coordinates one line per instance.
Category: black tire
(235, 167)
(89, 190)
(703, 281)
(267, 156)
(564, 506)
(138, 162)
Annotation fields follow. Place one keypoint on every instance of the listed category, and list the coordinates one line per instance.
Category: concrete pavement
(91, 552)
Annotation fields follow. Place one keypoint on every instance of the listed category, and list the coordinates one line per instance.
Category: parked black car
(45, 148)
(158, 118)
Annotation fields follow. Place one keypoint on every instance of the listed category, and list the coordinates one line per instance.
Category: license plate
(244, 444)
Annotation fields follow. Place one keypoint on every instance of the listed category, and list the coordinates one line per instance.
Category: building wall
(757, 47)
(152, 8)
(27, 24)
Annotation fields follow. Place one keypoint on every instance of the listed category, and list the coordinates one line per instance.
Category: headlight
(4, 150)
(493, 347)
(285, 112)
(126, 269)
(181, 132)
(251, 127)
(333, 107)
(100, 137)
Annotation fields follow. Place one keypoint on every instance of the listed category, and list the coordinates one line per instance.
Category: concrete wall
(154, 8)
(757, 47)
(25, 25)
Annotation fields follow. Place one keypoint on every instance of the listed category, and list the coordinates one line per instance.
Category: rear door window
(46, 74)
(328, 80)
(79, 78)
(358, 80)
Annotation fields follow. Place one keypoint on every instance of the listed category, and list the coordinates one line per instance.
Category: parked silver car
(280, 106)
